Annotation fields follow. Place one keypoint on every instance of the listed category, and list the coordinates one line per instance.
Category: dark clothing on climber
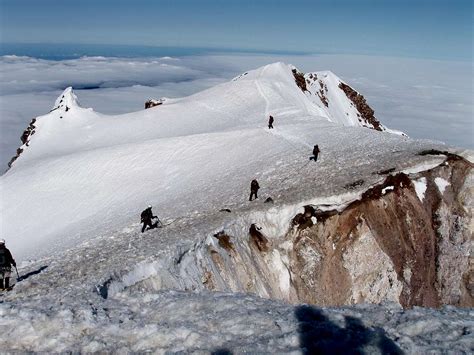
(270, 122)
(6, 262)
(254, 189)
(146, 217)
(254, 229)
(315, 153)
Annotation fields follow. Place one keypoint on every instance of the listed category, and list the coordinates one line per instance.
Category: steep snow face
(341, 103)
(324, 91)
(66, 101)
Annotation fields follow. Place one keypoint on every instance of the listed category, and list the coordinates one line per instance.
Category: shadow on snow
(319, 335)
(31, 273)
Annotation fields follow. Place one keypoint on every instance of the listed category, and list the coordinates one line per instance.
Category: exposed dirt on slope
(258, 239)
(224, 241)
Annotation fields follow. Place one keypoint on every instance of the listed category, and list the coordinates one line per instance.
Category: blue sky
(425, 29)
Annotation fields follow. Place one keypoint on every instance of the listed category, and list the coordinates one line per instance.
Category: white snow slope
(83, 171)
(72, 200)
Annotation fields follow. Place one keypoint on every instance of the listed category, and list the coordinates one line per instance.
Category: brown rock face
(392, 246)
(300, 80)
(361, 104)
(224, 241)
(400, 242)
(258, 238)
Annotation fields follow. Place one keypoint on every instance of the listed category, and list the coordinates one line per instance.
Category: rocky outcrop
(393, 244)
(299, 79)
(25, 139)
(407, 240)
(15, 157)
(364, 109)
(224, 240)
(152, 103)
(323, 90)
(258, 239)
(28, 132)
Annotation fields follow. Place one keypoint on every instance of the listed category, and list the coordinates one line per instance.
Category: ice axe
(17, 274)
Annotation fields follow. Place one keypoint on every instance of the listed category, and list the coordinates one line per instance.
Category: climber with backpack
(315, 153)
(270, 122)
(146, 219)
(254, 186)
(6, 262)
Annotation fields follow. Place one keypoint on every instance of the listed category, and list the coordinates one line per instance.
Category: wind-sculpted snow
(218, 322)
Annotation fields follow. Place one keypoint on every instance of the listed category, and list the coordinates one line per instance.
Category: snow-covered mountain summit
(66, 101)
(81, 168)
(244, 102)
(378, 218)
(87, 156)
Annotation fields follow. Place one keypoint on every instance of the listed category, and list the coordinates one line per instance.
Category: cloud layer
(426, 99)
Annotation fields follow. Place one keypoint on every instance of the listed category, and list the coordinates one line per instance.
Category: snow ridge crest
(66, 100)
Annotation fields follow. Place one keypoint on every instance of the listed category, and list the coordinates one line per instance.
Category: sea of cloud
(424, 98)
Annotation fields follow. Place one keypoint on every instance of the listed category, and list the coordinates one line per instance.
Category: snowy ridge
(241, 103)
(66, 101)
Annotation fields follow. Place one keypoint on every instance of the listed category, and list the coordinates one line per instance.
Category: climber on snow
(315, 153)
(6, 262)
(270, 122)
(146, 219)
(254, 189)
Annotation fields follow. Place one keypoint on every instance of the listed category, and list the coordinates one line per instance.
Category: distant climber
(270, 122)
(315, 153)
(6, 262)
(254, 186)
(146, 219)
